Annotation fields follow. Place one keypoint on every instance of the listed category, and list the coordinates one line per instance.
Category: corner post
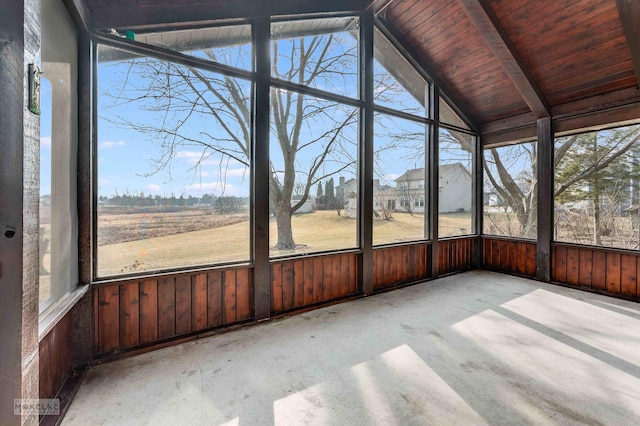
(260, 179)
(365, 211)
(545, 198)
(434, 175)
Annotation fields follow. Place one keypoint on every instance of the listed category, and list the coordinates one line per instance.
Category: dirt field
(226, 241)
(140, 241)
(120, 225)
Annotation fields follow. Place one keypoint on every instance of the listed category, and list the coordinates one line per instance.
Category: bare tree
(579, 162)
(210, 114)
(406, 200)
(519, 193)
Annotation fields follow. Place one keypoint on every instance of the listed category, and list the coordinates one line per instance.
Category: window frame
(368, 24)
(579, 132)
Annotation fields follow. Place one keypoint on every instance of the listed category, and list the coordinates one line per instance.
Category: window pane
(397, 84)
(449, 116)
(314, 189)
(58, 150)
(320, 53)
(510, 185)
(455, 186)
(399, 196)
(597, 188)
(173, 166)
(228, 45)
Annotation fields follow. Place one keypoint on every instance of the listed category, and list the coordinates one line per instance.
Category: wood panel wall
(455, 254)
(134, 313)
(301, 282)
(399, 264)
(56, 357)
(600, 269)
(508, 255)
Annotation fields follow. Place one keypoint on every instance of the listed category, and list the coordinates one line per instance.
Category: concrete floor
(474, 348)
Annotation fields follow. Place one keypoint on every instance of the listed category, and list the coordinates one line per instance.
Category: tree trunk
(285, 231)
(597, 235)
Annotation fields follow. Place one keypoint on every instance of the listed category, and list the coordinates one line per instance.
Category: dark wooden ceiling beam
(153, 15)
(79, 12)
(629, 11)
(489, 26)
(622, 106)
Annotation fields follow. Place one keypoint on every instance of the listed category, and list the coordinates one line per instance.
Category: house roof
(502, 64)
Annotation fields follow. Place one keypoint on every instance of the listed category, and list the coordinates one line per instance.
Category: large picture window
(399, 192)
(510, 190)
(174, 149)
(175, 146)
(597, 188)
(455, 185)
(58, 150)
(314, 141)
(314, 185)
(399, 161)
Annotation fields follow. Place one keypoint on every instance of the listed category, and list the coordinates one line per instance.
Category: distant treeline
(222, 204)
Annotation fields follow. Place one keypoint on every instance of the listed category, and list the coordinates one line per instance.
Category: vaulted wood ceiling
(523, 58)
(504, 62)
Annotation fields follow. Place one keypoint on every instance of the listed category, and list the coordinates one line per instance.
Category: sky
(45, 137)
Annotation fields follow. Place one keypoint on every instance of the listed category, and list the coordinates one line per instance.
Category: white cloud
(104, 182)
(45, 142)
(242, 172)
(188, 154)
(111, 144)
(153, 187)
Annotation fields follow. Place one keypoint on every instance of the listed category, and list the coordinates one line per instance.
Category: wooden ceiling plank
(437, 23)
(416, 15)
(558, 82)
(490, 28)
(629, 11)
(405, 14)
(621, 81)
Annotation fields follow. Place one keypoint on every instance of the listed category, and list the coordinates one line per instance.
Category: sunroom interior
(361, 212)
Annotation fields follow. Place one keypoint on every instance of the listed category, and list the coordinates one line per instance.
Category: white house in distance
(454, 191)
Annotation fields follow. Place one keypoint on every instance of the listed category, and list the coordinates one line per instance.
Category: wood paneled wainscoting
(400, 264)
(600, 269)
(302, 282)
(455, 254)
(144, 311)
(137, 313)
(509, 255)
(56, 357)
(64, 352)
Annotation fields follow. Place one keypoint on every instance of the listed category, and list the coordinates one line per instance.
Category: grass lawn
(318, 231)
(452, 224)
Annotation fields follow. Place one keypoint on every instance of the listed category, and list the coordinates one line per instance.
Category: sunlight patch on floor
(396, 387)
